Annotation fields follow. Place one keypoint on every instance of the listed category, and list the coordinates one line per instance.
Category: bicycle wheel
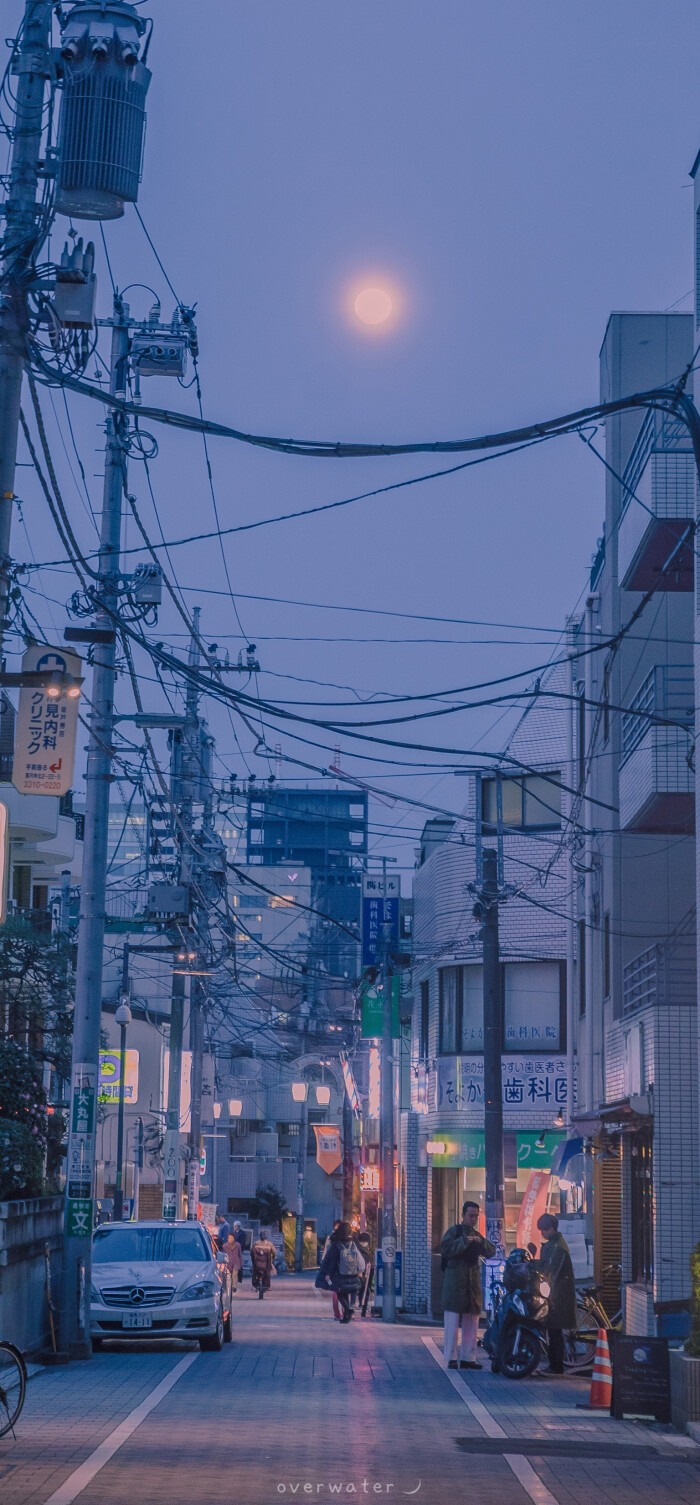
(579, 1347)
(13, 1385)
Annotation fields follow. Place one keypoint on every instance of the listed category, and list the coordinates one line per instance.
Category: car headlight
(198, 1292)
(95, 1295)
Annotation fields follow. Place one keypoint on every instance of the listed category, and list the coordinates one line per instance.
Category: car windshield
(134, 1245)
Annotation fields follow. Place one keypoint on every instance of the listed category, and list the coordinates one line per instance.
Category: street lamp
(299, 1094)
(235, 1107)
(323, 1096)
(123, 1019)
(216, 1109)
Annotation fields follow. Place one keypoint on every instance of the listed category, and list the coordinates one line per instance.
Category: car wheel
(214, 1342)
(228, 1328)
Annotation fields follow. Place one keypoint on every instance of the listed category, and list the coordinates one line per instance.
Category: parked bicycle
(13, 1386)
(580, 1344)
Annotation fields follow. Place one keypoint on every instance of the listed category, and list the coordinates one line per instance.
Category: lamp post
(300, 1095)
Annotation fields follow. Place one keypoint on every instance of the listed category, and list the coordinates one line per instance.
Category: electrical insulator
(103, 109)
(76, 287)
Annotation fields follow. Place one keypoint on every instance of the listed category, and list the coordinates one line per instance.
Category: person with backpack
(342, 1268)
(461, 1249)
(262, 1257)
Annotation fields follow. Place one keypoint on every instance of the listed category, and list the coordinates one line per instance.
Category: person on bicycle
(262, 1256)
(554, 1265)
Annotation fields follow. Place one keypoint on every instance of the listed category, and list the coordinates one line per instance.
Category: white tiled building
(447, 1058)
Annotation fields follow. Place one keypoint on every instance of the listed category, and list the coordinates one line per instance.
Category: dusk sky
(509, 174)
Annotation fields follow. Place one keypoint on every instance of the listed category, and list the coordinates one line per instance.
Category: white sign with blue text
(536, 1085)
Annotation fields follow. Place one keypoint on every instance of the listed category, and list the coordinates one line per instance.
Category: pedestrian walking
(461, 1249)
(223, 1228)
(364, 1244)
(342, 1269)
(263, 1259)
(337, 1311)
(554, 1264)
(234, 1260)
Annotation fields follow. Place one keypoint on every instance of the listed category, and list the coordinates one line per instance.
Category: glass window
(532, 1006)
(450, 980)
(511, 798)
(472, 1010)
(134, 1245)
(542, 801)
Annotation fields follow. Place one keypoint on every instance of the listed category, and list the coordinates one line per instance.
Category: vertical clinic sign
(81, 1151)
(46, 726)
(377, 910)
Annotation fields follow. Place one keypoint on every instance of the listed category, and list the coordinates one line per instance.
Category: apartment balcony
(664, 974)
(656, 780)
(661, 474)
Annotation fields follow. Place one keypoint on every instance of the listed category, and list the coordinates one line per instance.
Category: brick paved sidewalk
(297, 1399)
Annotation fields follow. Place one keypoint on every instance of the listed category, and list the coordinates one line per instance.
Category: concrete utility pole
(301, 1183)
(172, 1181)
(493, 1089)
(88, 986)
(21, 223)
(387, 1126)
(123, 1018)
(190, 869)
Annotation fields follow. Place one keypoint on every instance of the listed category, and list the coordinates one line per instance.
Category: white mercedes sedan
(159, 1280)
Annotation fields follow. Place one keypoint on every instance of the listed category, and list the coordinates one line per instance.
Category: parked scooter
(515, 1336)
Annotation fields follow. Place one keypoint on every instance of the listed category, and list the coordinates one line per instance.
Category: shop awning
(564, 1153)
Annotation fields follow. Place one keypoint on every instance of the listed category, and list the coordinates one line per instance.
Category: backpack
(260, 1259)
(350, 1262)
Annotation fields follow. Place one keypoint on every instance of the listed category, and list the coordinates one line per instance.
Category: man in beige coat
(462, 1248)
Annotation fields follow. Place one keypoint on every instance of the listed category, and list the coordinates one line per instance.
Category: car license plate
(137, 1319)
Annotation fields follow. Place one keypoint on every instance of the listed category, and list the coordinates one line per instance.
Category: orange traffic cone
(601, 1384)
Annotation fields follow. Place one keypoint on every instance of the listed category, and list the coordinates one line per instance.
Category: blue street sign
(376, 910)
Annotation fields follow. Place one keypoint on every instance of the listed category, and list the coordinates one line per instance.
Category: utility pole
(172, 1186)
(21, 232)
(88, 988)
(572, 781)
(301, 1183)
(191, 780)
(387, 1124)
(123, 1018)
(493, 1086)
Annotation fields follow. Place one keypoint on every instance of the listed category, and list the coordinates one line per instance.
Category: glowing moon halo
(373, 305)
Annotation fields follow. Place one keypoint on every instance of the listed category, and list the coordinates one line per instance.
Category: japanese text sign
(46, 726)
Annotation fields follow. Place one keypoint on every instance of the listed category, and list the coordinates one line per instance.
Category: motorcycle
(515, 1336)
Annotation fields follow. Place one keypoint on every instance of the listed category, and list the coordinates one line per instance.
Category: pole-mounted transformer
(103, 109)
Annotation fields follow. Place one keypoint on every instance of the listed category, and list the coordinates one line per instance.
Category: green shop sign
(465, 1147)
(373, 1010)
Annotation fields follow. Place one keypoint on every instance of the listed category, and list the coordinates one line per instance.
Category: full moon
(373, 305)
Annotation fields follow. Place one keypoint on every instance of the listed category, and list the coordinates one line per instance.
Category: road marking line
(524, 1472)
(531, 1482)
(84, 1475)
(477, 1407)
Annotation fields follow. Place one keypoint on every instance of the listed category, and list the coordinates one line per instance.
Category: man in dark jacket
(555, 1267)
(462, 1247)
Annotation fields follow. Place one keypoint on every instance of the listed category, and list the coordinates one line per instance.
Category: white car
(158, 1280)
